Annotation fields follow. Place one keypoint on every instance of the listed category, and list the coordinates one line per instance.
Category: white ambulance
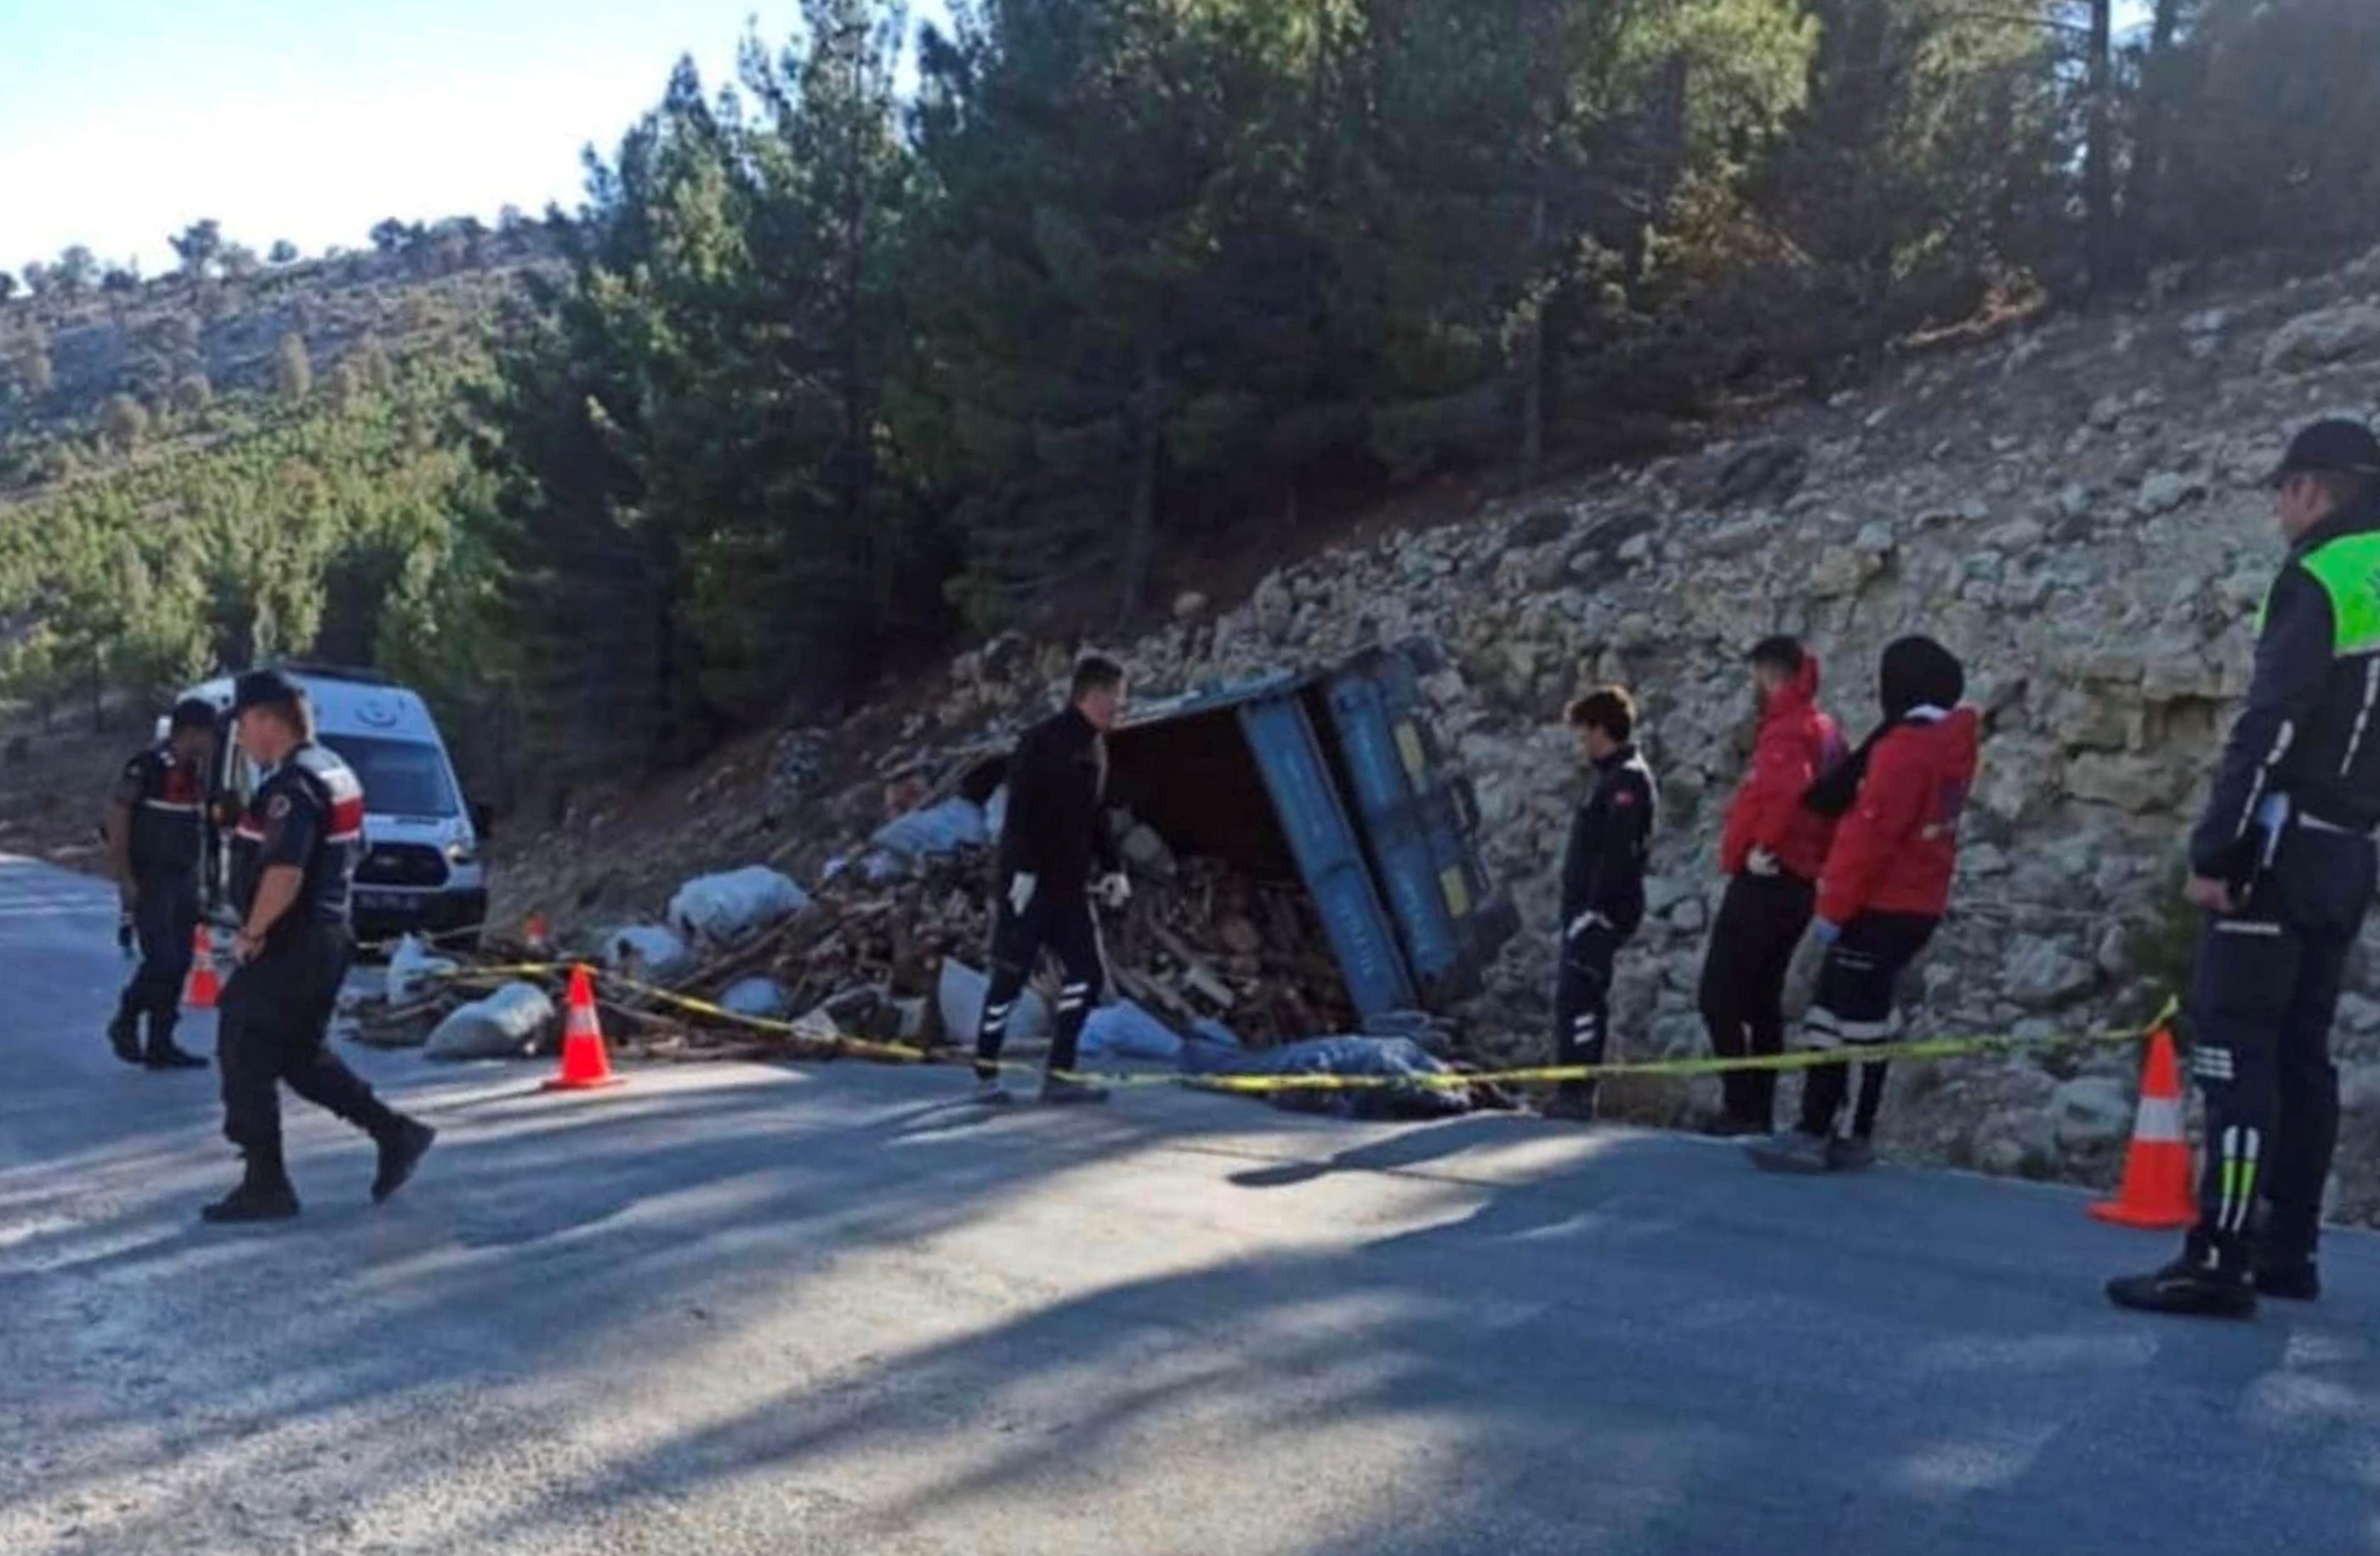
(421, 869)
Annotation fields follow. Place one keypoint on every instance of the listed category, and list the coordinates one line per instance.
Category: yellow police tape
(837, 1043)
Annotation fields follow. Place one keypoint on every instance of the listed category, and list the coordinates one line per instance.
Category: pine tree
(293, 369)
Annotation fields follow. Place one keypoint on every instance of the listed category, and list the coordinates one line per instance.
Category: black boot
(264, 1194)
(163, 1054)
(401, 1150)
(1064, 1091)
(2291, 1280)
(2201, 1283)
(124, 1036)
(1573, 1099)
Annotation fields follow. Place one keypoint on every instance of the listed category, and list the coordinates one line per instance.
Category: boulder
(1275, 607)
(2168, 489)
(1769, 471)
(2313, 339)
(2091, 1112)
(2358, 1014)
(2359, 1088)
(2142, 785)
(2039, 973)
(1540, 529)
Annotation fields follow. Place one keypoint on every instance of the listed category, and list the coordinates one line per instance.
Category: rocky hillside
(2075, 507)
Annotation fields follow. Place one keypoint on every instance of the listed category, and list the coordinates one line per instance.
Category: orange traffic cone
(200, 989)
(585, 1065)
(2157, 1191)
(533, 932)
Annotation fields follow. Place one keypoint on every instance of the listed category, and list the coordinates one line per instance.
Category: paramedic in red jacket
(1884, 891)
(1772, 853)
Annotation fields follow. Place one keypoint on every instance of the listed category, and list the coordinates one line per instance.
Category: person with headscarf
(1882, 894)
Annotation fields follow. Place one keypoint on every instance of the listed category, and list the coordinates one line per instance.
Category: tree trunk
(1140, 538)
(1533, 340)
(2099, 156)
(2143, 194)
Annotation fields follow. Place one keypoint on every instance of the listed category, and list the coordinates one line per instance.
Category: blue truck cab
(1332, 780)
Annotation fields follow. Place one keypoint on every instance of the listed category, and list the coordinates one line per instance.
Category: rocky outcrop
(2076, 509)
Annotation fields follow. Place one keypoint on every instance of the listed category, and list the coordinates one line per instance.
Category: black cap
(264, 688)
(2335, 448)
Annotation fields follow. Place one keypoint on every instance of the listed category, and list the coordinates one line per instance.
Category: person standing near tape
(294, 860)
(1771, 851)
(1886, 885)
(2282, 862)
(156, 833)
(1603, 885)
(1052, 840)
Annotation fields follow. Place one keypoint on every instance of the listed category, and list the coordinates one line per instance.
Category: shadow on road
(1502, 1337)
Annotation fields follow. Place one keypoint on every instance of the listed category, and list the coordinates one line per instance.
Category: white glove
(1762, 862)
(1584, 922)
(1113, 890)
(1020, 891)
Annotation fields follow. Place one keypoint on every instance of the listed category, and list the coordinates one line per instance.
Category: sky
(122, 121)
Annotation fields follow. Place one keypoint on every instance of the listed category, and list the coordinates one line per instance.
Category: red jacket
(1897, 849)
(1796, 744)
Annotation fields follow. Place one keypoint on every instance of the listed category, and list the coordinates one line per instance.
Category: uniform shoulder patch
(277, 807)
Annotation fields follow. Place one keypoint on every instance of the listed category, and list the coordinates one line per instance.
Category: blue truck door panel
(1306, 800)
(1414, 818)
(1394, 823)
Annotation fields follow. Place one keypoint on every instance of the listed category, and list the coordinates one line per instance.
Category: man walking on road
(156, 825)
(1771, 852)
(294, 863)
(1053, 837)
(1603, 885)
(2282, 862)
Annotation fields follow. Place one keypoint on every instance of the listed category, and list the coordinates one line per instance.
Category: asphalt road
(743, 1310)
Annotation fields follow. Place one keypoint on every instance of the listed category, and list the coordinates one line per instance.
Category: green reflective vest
(2348, 571)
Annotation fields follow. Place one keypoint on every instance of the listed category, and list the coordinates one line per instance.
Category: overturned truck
(1323, 796)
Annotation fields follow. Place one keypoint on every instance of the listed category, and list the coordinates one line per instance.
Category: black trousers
(1582, 1003)
(165, 919)
(1062, 924)
(1852, 1007)
(2267, 985)
(1760, 921)
(274, 1030)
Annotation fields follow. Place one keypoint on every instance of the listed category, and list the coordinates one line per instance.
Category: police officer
(294, 858)
(1051, 842)
(155, 840)
(2282, 861)
(1603, 884)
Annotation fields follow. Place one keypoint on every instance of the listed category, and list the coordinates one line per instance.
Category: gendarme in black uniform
(1053, 846)
(308, 815)
(1603, 903)
(2290, 825)
(164, 799)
